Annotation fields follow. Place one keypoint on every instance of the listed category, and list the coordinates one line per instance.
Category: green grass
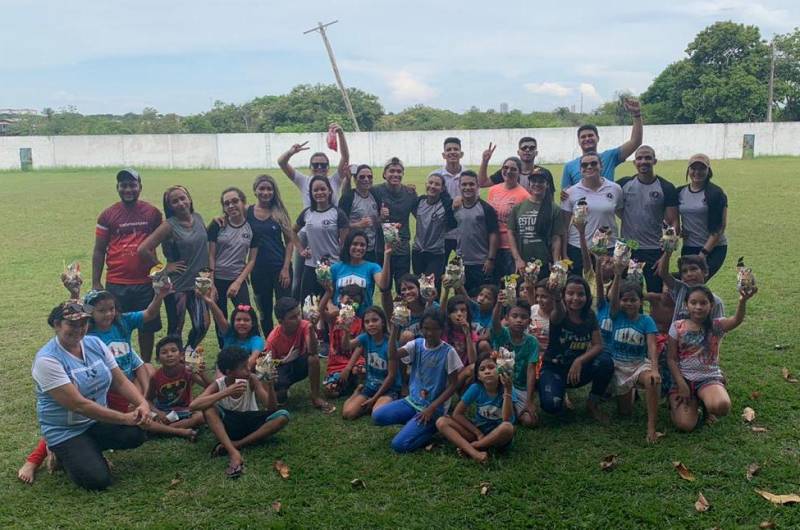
(549, 479)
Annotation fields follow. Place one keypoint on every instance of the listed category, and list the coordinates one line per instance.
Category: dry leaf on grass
(748, 414)
(765, 525)
(357, 483)
(276, 506)
(791, 498)
(787, 376)
(485, 486)
(758, 429)
(608, 462)
(429, 447)
(752, 471)
(683, 471)
(177, 480)
(702, 504)
(282, 469)
(755, 394)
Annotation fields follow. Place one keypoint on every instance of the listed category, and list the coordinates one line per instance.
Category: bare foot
(711, 419)
(482, 457)
(192, 435)
(27, 473)
(653, 436)
(596, 413)
(323, 405)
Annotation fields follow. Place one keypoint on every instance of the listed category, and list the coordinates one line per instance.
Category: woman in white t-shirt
(324, 227)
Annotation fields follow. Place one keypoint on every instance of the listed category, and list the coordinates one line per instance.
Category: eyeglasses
(243, 307)
(593, 163)
(319, 165)
(527, 148)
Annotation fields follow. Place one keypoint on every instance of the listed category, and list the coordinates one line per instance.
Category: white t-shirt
(603, 204)
(301, 181)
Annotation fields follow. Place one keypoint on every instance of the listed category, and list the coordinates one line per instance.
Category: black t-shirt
(569, 341)
(268, 237)
(401, 204)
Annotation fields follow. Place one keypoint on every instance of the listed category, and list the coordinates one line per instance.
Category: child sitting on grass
(170, 389)
(340, 378)
(293, 344)
(492, 425)
(693, 358)
(239, 408)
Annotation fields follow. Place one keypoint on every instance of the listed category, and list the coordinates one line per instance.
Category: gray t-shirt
(643, 210)
(475, 224)
(301, 181)
(322, 232)
(233, 244)
(189, 245)
(431, 227)
(366, 207)
(682, 311)
(694, 218)
(452, 183)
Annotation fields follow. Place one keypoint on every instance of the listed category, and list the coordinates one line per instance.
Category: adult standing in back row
(588, 137)
(121, 228)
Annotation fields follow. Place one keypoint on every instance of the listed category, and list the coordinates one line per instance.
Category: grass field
(549, 479)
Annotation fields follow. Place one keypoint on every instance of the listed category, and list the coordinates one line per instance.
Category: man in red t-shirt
(121, 228)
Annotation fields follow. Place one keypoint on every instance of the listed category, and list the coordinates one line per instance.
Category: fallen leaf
(766, 525)
(758, 429)
(357, 483)
(702, 504)
(682, 470)
(748, 414)
(752, 470)
(485, 486)
(787, 375)
(282, 469)
(781, 346)
(429, 447)
(779, 499)
(608, 462)
(755, 394)
(276, 506)
(177, 480)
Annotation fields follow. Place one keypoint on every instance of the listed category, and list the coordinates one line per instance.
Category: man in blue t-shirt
(588, 137)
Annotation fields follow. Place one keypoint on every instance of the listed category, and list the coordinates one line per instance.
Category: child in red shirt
(340, 377)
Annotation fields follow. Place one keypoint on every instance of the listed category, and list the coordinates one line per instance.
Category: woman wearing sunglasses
(361, 206)
(73, 374)
(232, 252)
(603, 199)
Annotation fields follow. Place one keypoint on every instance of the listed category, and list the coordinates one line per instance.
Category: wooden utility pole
(321, 29)
(771, 80)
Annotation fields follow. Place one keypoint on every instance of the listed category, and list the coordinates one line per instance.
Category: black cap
(128, 173)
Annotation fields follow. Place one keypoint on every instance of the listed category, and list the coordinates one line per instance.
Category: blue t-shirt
(53, 367)
(572, 169)
(623, 338)
(480, 321)
(118, 340)
(429, 371)
(488, 409)
(377, 363)
(362, 275)
(250, 344)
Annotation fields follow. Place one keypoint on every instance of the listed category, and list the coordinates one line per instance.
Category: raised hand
(296, 148)
(487, 154)
(632, 105)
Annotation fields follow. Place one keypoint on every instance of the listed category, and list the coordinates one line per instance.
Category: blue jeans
(413, 435)
(553, 382)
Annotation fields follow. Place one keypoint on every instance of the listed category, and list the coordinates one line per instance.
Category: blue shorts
(369, 391)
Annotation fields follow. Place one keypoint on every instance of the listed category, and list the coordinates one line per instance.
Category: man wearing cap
(120, 229)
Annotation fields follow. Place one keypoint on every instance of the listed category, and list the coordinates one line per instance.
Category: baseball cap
(128, 173)
(75, 310)
(700, 157)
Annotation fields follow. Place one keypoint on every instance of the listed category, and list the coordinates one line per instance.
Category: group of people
(508, 350)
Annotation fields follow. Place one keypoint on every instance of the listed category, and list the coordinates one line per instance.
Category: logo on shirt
(655, 195)
(610, 196)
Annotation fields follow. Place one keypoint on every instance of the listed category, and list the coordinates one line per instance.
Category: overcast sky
(180, 55)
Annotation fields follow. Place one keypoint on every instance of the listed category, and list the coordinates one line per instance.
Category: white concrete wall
(414, 148)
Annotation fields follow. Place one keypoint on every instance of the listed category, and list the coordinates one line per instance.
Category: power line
(321, 29)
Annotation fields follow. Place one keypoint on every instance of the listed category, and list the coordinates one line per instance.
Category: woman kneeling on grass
(492, 425)
(73, 374)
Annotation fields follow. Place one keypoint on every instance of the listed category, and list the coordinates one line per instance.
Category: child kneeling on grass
(492, 425)
(434, 376)
(170, 389)
(239, 408)
(693, 358)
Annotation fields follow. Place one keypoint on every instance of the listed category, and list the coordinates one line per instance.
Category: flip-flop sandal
(219, 450)
(234, 472)
(193, 437)
(327, 408)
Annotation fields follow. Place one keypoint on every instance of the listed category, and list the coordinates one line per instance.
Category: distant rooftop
(18, 112)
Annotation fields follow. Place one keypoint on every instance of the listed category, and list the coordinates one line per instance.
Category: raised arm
(613, 292)
(283, 160)
(153, 309)
(483, 171)
(344, 152)
(634, 109)
(663, 270)
(219, 317)
(731, 323)
(383, 279)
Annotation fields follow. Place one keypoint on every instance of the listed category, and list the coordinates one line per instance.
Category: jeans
(82, 455)
(242, 297)
(178, 304)
(267, 289)
(413, 435)
(553, 382)
(714, 260)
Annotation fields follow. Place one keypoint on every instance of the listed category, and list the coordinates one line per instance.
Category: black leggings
(714, 259)
(242, 297)
(178, 304)
(82, 455)
(267, 289)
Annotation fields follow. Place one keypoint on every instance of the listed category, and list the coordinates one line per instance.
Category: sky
(180, 55)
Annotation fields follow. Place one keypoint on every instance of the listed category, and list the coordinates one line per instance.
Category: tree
(787, 75)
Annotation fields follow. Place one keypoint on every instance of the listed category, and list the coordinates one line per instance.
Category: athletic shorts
(369, 391)
(520, 400)
(695, 386)
(240, 424)
(136, 298)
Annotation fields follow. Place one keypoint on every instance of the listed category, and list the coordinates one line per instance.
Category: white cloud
(589, 92)
(549, 89)
(749, 11)
(405, 87)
